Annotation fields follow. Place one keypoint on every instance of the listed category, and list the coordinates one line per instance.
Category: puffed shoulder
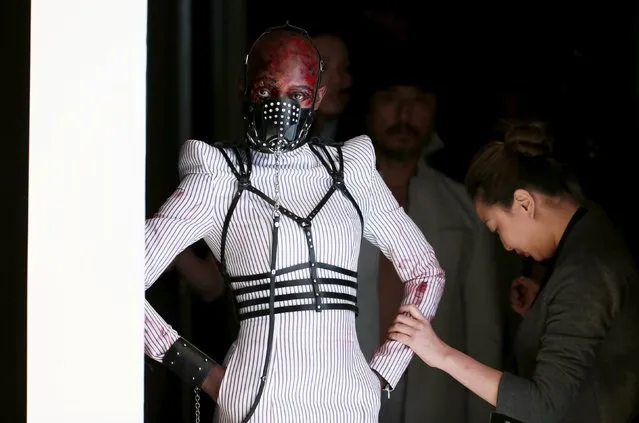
(360, 150)
(199, 157)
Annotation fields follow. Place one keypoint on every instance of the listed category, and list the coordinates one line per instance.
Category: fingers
(518, 291)
(524, 284)
(407, 320)
(518, 282)
(402, 329)
(400, 337)
(518, 287)
(413, 311)
(516, 297)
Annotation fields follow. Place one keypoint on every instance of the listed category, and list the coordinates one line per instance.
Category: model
(285, 216)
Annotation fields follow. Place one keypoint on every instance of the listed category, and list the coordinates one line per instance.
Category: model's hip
(316, 370)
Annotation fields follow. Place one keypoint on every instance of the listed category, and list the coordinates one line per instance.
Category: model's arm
(388, 227)
(203, 275)
(578, 320)
(182, 220)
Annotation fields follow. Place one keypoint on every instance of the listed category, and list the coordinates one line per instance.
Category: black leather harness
(321, 300)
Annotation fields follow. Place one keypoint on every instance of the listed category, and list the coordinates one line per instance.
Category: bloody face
(283, 64)
(282, 93)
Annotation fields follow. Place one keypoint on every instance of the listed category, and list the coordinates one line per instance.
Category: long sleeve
(389, 228)
(579, 316)
(483, 314)
(182, 220)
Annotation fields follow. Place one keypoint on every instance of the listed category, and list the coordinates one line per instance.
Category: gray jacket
(578, 346)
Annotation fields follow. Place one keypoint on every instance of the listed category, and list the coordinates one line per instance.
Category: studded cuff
(189, 363)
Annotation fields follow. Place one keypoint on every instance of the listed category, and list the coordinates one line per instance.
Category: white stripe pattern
(317, 371)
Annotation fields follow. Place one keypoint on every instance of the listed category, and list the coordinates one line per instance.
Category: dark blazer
(577, 348)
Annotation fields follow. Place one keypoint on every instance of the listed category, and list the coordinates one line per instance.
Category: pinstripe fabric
(317, 371)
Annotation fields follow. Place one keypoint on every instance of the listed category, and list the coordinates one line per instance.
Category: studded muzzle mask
(279, 122)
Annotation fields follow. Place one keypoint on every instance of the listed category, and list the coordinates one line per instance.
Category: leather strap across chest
(321, 300)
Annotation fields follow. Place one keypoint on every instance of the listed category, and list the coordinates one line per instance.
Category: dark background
(575, 62)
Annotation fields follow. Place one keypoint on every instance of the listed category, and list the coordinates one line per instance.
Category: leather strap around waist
(295, 308)
(349, 302)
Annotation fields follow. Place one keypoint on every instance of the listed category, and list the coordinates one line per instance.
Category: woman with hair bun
(577, 347)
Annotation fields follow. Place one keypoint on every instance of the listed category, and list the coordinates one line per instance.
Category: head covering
(275, 120)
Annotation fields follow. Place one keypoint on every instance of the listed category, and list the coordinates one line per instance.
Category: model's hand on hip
(412, 329)
(382, 381)
(213, 382)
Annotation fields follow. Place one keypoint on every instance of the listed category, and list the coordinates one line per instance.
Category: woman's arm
(415, 331)
(579, 315)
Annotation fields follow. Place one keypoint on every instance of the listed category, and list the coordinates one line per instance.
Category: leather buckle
(338, 178)
(243, 181)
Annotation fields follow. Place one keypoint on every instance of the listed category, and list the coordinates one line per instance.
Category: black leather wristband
(189, 363)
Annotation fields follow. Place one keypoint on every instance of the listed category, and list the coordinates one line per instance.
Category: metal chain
(276, 206)
(197, 404)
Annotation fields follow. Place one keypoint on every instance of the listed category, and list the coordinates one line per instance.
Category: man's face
(284, 64)
(401, 119)
(337, 77)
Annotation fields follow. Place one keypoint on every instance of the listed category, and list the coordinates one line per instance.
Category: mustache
(402, 128)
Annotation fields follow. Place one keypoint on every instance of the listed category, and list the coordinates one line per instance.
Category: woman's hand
(416, 332)
(523, 292)
(412, 329)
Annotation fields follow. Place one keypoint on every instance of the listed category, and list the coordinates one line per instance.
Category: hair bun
(527, 138)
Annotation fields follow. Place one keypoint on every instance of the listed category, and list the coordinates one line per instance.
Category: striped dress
(303, 268)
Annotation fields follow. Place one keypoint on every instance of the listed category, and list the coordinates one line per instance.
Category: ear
(320, 95)
(524, 203)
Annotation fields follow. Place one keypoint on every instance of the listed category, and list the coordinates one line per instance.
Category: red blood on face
(283, 64)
